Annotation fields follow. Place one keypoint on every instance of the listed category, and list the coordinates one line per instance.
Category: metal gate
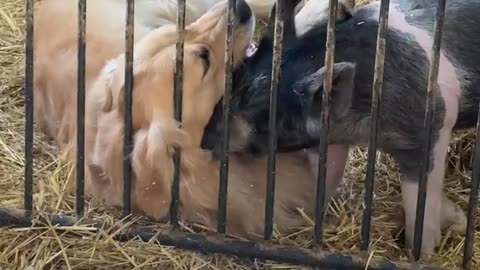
(219, 243)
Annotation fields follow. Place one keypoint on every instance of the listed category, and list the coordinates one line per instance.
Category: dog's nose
(244, 13)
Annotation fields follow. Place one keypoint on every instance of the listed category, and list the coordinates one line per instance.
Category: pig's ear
(342, 87)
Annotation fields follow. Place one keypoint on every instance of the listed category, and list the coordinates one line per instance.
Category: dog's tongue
(251, 49)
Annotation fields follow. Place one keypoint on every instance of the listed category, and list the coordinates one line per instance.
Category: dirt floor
(50, 248)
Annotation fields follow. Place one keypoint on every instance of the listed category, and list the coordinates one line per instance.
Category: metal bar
(472, 204)
(223, 184)
(430, 110)
(177, 99)
(15, 218)
(372, 143)
(212, 244)
(28, 173)
(79, 198)
(128, 92)
(272, 123)
(324, 119)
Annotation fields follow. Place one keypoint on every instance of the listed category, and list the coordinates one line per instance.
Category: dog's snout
(243, 12)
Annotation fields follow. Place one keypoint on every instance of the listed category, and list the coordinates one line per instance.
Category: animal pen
(218, 242)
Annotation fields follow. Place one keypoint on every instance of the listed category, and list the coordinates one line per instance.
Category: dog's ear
(342, 87)
(118, 89)
(106, 86)
(121, 100)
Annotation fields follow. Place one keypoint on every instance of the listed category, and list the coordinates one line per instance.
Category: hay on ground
(84, 249)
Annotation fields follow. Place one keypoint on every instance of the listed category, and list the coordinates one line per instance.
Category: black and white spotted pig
(408, 47)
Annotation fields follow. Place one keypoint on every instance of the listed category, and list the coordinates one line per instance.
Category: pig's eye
(298, 92)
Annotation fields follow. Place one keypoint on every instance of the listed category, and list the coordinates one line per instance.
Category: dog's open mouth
(251, 49)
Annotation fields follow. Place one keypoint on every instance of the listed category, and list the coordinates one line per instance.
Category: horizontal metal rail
(220, 245)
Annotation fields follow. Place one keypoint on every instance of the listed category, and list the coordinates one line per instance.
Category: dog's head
(204, 69)
(155, 131)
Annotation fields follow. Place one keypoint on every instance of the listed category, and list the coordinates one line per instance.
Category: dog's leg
(453, 217)
(315, 12)
(261, 8)
(336, 163)
(289, 21)
(434, 199)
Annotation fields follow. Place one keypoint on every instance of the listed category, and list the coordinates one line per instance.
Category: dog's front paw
(453, 217)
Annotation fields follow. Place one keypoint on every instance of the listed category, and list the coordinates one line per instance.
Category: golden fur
(155, 131)
(162, 12)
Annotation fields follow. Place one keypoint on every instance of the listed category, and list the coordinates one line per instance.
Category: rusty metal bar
(79, 198)
(212, 244)
(272, 123)
(430, 110)
(372, 143)
(128, 92)
(472, 204)
(177, 101)
(223, 184)
(324, 119)
(28, 85)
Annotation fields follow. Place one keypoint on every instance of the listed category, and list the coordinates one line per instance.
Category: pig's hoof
(432, 238)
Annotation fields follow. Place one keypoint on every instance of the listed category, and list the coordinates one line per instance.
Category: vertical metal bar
(432, 91)
(128, 92)
(324, 125)
(472, 204)
(223, 185)
(178, 93)
(79, 198)
(28, 173)
(272, 123)
(372, 144)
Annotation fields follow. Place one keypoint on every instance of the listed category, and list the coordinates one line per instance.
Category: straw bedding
(81, 248)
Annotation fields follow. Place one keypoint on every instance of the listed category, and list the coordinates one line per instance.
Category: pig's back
(461, 45)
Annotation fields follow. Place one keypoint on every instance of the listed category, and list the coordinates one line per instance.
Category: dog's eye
(204, 56)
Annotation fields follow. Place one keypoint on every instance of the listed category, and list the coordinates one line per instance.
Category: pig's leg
(336, 163)
(433, 207)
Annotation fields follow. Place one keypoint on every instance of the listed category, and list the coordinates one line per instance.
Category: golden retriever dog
(155, 131)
